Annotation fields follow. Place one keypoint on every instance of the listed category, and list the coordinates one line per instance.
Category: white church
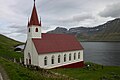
(51, 50)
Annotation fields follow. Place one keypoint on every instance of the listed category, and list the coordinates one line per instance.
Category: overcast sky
(14, 14)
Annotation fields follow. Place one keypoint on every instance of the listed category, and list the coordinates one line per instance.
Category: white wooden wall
(62, 63)
(32, 33)
(30, 48)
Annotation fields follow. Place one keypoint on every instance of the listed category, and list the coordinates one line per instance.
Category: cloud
(111, 11)
(14, 14)
(73, 20)
(18, 29)
(82, 17)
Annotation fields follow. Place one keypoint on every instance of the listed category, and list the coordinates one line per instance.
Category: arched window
(36, 30)
(59, 59)
(79, 55)
(52, 60)
(29, 58)
(29, 29)
(45, 60)
(70, 57)
(65, 58)
(74, 56)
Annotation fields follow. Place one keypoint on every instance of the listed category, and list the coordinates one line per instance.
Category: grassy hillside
(7, 48)
(110, 31)
(16, 71)
(94, 72)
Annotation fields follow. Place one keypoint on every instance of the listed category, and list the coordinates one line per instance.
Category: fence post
(20, 60)
(14, 60)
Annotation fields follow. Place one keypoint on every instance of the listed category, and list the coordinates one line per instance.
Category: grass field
(18, 72)
(94, 72)
(7, 48)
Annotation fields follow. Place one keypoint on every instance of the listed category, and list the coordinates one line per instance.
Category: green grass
(18, 72)
(7, 48)
(94, 72)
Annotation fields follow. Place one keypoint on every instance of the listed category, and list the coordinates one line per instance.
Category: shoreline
(98, 41)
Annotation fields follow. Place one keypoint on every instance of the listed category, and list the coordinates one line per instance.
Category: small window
(59, 59)
(30, 61)
(52, 60)
(70, 57)
(29, 58)
(65, 58)
(74, 56)
(45, 60)
(29, 29)
(79, 55)
(36, 30)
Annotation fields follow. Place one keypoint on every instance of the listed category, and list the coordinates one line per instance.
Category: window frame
(65, 58)
(59, 58)
(29, 30)
(74, 56)
(79, 55)
(45, 60)
(70, 57)
(52, 59)
(36, 29)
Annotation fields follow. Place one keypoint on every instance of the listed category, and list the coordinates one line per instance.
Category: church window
(65, 58)
(52, 60)
(74, 56)
(36, 30)
(59, 59)
(29, 56)
(70, 57)
(79, 55)
(45, 60)
(29, 29)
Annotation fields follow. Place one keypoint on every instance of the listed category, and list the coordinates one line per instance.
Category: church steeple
(34, 17)
(34, 25)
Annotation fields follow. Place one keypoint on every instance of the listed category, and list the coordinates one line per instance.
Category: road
(3, 74)
(1, 77)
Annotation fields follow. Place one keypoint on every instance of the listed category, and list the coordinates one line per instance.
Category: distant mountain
(110, 31)
(59, 30)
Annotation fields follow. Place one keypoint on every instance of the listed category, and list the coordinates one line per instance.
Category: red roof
(34, 17)
(56, 43)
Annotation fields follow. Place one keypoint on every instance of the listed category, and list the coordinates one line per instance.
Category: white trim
(62, 63)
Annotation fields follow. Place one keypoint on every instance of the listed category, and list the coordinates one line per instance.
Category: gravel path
(3, 75)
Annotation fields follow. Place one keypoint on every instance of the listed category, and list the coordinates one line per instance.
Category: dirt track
(3, 75)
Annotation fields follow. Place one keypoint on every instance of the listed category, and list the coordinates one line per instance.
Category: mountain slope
(110, 31)
(7, 48)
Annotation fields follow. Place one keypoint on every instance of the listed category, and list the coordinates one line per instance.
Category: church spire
(34, 17)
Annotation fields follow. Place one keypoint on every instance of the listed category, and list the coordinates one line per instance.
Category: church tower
(34, 26)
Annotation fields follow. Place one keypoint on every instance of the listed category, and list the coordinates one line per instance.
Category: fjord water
(105, 53)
